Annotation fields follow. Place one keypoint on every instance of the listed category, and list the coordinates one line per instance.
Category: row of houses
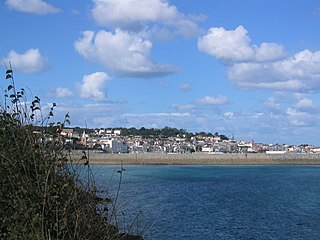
(111, 141)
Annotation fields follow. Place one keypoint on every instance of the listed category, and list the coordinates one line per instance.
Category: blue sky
(247, 68)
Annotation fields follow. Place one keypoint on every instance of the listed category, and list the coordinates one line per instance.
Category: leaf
(8, 76)
(10, 87)
(54, 104)
(36, 108)
(14, 100)
(12, 96)
(8, 71)
(34, 102)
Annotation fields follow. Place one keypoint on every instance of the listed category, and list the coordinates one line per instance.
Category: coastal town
(120, 140)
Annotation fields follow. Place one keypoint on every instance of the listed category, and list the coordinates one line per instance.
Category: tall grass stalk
(42, 195)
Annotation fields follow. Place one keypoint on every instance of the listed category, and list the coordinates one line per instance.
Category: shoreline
(97, 158)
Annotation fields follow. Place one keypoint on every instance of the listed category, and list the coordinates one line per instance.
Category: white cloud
(304, 103)
(235, 46)
(265, 66)
(131, 12)
(207, 100)
(227, 45)
(298, 118)
(29, 62)
(300, 72)
(269, 52)
(228, 115)
(307, 105)
(135, 15)
(92, 86)
(38, 7)
(123, 52)
(184, 107)
(60, 92)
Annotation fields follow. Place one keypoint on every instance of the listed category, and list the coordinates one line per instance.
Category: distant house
(66, 132)
(117, 132)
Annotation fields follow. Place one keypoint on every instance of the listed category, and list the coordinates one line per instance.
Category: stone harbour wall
(199, 159)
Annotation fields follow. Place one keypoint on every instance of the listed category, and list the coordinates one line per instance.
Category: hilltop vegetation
(165, 132)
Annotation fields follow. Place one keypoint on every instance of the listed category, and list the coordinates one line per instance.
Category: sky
(248, 69)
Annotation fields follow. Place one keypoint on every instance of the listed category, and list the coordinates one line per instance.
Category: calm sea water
(217, 202)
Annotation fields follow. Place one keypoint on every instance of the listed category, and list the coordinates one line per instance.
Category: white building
(207, 149)
(113, 145)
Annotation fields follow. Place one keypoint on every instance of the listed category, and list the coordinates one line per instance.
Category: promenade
(199, 159)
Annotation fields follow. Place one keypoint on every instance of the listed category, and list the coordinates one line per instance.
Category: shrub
(42, 195)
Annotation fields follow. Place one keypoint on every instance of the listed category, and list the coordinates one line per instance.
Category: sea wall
(200, 159)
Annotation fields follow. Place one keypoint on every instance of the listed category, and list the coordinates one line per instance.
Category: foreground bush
(42, 196)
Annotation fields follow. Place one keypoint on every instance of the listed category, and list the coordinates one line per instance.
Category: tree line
(165, 132)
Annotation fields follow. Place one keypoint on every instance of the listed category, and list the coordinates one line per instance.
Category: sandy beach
(199, 159)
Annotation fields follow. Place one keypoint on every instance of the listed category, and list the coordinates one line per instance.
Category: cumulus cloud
(93, 86)
(38, 7)
(227, 45)
(266, 66)
(134, 15)
(235, 46)
(124, 53)
(300, 72)
(29, 62)
(207, 100)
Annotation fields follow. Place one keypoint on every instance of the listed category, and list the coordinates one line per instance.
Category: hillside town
(114, 142)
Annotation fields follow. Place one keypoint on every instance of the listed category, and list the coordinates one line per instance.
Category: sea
(214, 202)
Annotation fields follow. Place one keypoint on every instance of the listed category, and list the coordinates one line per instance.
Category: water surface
(218, 202)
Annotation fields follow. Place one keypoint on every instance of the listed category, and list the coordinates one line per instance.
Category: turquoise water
(217, 202)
